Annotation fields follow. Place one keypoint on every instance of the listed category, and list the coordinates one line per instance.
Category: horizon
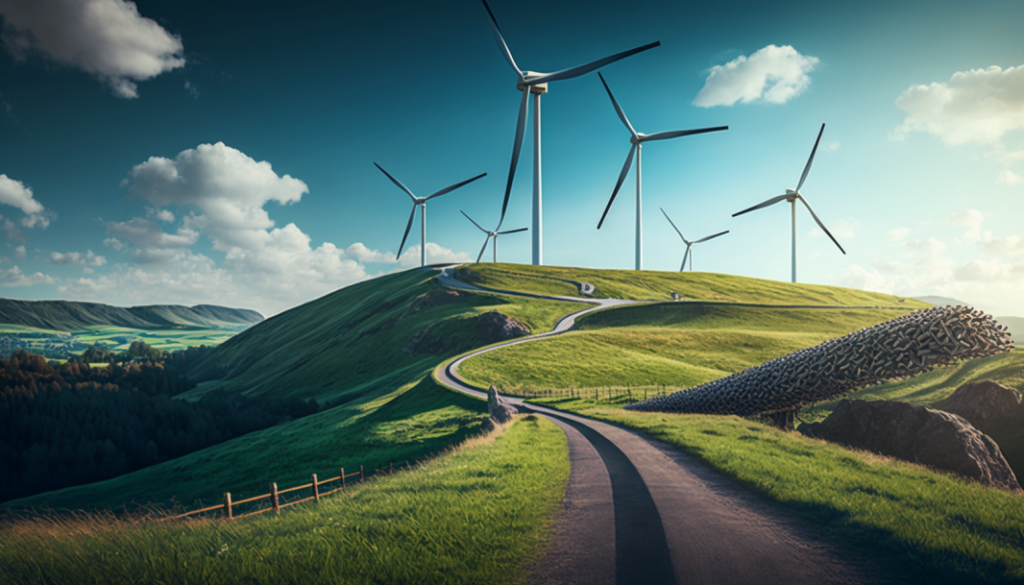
(228, 159)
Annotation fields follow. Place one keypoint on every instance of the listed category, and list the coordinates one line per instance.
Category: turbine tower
(537, 83)
(421, 202)
(491, 234)
(637, 139)
(792, 195)
(689, 244)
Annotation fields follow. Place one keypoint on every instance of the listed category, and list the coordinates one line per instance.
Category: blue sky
(182, 153)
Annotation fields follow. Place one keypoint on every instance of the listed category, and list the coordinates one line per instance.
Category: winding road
(638, 511)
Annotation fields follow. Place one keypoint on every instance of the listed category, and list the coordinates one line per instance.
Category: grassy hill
(70, 315)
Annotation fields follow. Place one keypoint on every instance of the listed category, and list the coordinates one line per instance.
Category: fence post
(342, 478)
(362, 475)
(273, 497)
(227, 505)
(391, 467)
(316, 490)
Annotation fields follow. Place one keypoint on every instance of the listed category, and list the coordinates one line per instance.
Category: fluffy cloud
(14, 277)
(979, 106)
(897, 234)
(1008, 177)
(929, 245)
(148, 240)
(77, 259)
(435, 255)
(16, 194)
(772, 74)
(972, 220)
(106, 38)
(1004, 246)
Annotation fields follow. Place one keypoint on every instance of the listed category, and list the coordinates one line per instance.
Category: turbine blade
(677, 133)
(771, 201)
(588, 67)
(622, 177)
(673, 223)
(501, 41)
(482, 250)
(451, 188)
(408, 227)
(618, 108)
(396, 181)
(513, 231)
(682, 267)
(821, 225)
(517, 145)
(711, 237)
(807, 169)
(474, 223)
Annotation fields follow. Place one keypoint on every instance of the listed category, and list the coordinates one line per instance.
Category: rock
(493, 326)
(500, 410)
(487, 426)
(917, 434)
(435, 298)
(989, 406)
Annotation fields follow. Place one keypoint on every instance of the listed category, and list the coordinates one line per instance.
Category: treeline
(71, 424)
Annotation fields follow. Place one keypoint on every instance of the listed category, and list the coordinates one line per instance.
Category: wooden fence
(226, 508)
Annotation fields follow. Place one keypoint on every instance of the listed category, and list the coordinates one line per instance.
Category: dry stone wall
(902, 347)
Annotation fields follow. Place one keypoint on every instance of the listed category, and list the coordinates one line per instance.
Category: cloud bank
(772, 74)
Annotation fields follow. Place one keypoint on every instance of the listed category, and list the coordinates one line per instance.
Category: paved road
(640, 511)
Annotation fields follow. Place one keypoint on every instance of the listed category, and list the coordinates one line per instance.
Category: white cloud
(106, 38)
(772, 74)
(897, 234)
(1004, 246)
(989, 271)
(191, 89)
(976, 106)
(14, 277)
(150, 242)
(16, 194)
(931, 245)
(77, 259)
(160, 214)
(361, 253)
(972, 220)
(19, 252)
(1008, 177)
(435, 255)
(892, 266)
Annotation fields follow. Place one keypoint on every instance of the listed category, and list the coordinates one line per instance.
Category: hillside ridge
(70, 315)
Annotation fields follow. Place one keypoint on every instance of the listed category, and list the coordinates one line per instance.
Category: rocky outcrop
(498, 408)
(492, 327)
(435, 298)
(989, 406)
(917, 434)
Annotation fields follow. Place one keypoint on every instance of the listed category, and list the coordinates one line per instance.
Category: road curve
(640, 511)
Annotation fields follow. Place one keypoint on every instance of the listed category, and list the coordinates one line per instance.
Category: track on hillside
(640, 511)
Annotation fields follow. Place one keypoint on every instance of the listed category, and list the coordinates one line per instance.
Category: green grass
(676, 345)
(120, 338)
(478, 515)
(654, 285)
(386, 425)
(336, 345)
(945, 528)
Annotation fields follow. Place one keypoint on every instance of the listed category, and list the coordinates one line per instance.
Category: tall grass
(478, 515)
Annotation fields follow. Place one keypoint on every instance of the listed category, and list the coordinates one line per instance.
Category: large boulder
(917, 434)
(499, 409)
(989, 406)
(448, 336)
(493, 326)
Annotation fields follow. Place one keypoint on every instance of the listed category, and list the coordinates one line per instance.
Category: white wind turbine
(689, 244)
(490, 234)
(537, 83)
(792, 195)
(637, 139)
(421, 202)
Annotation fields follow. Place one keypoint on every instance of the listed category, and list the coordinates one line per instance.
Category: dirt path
(640, 511)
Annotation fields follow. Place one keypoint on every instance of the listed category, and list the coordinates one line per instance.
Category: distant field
(658, 286)
(53, 343)
(478, 515)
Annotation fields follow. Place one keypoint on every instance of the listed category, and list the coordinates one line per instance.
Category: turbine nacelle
(527, 77)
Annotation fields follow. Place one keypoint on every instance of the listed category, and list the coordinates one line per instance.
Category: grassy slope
(67, 315)
(942, 528)
(677, 345)
(479, 515)
(387, 425)
(653, 285)
(335, 345)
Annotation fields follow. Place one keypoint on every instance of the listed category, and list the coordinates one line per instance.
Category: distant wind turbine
(537, 83)
(689, 244)
(792, 195)
(421, 202)
(490, 234)
(637, 139)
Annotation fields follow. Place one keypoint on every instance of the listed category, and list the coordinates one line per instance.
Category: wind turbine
(421, 202)
(689, 244)
(637, 139)
(491, 234)
(792, 195)
(537, 83)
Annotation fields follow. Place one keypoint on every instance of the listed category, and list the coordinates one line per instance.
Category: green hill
(71, 315)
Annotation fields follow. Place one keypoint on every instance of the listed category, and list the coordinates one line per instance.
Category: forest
(69, 424)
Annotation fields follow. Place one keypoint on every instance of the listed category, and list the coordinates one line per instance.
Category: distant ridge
(69, 315)
(1016, 325)
(940, 301)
